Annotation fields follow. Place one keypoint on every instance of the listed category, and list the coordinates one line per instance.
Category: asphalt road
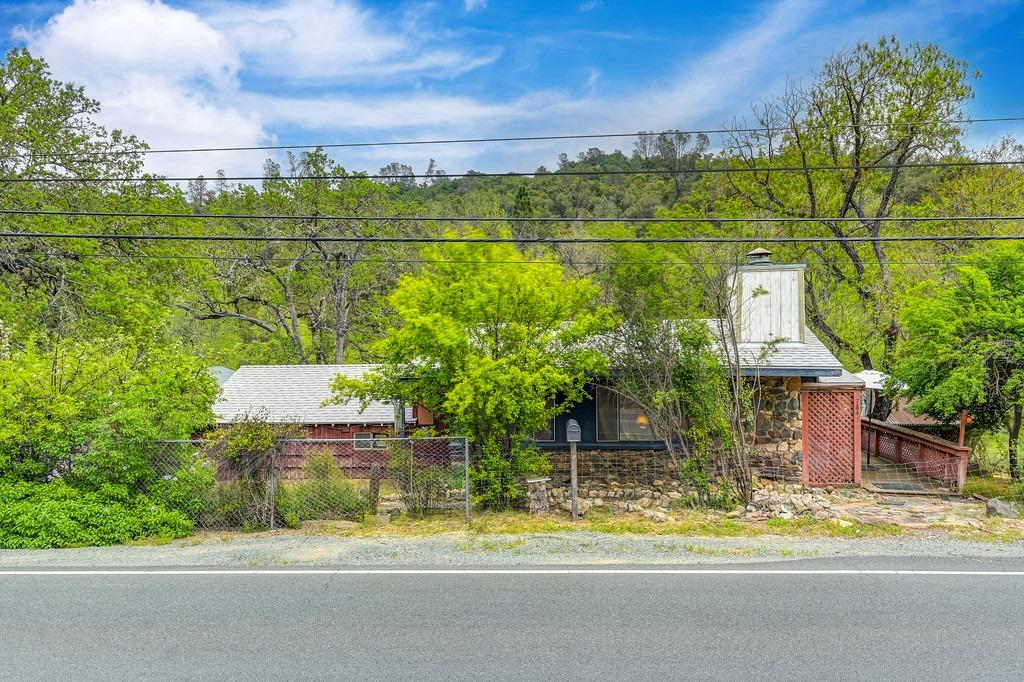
(731, 622)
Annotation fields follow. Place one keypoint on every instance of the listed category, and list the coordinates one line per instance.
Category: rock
(842, 523)
(997, 507)
(734, 514)
(674, 495)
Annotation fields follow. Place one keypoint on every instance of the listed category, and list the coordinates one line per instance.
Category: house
(807, 406)
(299, 395)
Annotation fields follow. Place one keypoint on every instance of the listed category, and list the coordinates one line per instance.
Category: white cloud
(475, 5)
(330, 70)
(158, 72)
(172, 76)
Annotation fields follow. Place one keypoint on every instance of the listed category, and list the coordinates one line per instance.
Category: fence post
(573, 480)
(465, 454)
(373, 495)
(272, 482)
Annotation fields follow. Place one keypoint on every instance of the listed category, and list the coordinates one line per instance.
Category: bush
(34, 515)
(243, 503)
(325, 495)
(188, 489)
(498, 480)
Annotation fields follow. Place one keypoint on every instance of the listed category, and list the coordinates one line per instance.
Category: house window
(547, 434)
(363, 440)
(619, 418)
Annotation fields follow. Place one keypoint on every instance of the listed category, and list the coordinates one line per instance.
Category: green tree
(308, 301)
(965, 344)
(487, 339)
(873, 110)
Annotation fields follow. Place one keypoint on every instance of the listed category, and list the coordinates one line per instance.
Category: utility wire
(515, 240)
(523, 138)
(385, 261)
(509, 219)
(519, 174)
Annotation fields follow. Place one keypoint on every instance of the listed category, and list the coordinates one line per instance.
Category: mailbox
(573, 432)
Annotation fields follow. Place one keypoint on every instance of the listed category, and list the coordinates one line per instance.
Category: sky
(245, 72)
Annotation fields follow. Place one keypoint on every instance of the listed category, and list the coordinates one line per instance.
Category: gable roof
(295, 394)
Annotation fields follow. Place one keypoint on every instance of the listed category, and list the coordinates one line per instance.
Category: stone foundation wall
(635, 467)
(778, 429)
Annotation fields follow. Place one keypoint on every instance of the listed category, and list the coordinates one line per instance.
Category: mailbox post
(573, 434)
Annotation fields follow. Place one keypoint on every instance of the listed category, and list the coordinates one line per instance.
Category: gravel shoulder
(296, 548)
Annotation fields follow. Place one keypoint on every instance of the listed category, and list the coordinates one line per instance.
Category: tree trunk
(341, 306)
(1015, 421)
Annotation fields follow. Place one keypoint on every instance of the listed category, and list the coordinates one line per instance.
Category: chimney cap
(758, 256)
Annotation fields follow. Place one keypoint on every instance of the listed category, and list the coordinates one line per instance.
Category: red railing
(933, 457)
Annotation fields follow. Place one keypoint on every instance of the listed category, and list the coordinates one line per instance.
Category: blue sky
(181, 73)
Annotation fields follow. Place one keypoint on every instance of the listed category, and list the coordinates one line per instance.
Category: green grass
(692, 523)
(806, 526)
(993, 485)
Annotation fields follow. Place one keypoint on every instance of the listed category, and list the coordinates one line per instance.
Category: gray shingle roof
(294, 394)
(788, 358)
(810, 358)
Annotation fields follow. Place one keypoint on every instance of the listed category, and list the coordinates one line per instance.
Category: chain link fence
(300, 481)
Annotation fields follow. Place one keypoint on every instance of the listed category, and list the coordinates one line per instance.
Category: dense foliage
(965, 345)
(488, 337)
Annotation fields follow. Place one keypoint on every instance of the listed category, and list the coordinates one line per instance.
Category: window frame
(618, 418)
(363, 437)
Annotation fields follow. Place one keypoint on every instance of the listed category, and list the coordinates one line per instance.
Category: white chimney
(769, 299)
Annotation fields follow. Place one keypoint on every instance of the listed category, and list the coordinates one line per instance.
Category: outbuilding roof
(295, 394)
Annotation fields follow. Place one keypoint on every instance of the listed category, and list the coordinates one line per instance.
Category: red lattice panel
(921, 454)
(831, 425)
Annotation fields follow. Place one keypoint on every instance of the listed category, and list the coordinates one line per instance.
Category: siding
(776, 314)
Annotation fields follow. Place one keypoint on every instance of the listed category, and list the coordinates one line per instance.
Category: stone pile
(787, 500)
(655, 501)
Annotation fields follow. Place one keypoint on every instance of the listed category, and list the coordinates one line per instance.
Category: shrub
(324, 495)
(243, 503)
(34, 515)
(498, 480)
(188, 489)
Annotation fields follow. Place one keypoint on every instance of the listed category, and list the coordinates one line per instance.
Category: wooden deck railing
(934, 457)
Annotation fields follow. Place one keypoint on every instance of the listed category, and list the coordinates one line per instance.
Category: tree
(965, 344)
(312, 300)
(48, 131)
(871, 110)
(487, 339)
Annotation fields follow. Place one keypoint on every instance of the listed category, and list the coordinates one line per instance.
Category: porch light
(642, 420)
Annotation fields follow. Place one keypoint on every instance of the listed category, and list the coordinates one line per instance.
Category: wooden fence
(933, 457)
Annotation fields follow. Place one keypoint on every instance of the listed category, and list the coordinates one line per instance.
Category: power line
(385, 261)
(523, 138)
(509, 219)
(515, 240)
(520, 174)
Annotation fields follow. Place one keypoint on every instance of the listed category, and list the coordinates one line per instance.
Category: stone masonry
(778, 429)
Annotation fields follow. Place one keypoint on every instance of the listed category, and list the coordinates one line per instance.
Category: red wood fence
(933, 457)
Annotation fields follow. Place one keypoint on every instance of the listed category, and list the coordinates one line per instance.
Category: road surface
(808, 619)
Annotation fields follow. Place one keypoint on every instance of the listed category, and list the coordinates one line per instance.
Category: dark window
(363, 440)
(619, 418)
(547, 434)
